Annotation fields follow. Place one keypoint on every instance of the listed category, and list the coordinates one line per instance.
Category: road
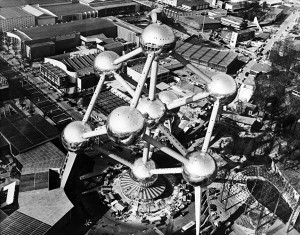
(282, 31)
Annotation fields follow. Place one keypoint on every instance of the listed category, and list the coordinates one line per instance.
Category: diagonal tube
(186, 100)
(173, 140)
(142, 81)
(211, 125)
(115, 157)
(128, 55)
(165, 149)
(191, 67)
(98, 131)
(153, 79)
(146, 148)
(94, 99)
(124, 83)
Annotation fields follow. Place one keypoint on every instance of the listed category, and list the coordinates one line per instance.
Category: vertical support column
(94, 99)
(211, 125)
(153, 79)
(71, 157)
(198, 195)
(209, 212)
(146, 147)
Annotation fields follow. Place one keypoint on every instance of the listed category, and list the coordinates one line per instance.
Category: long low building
(43, 41)
(216, 59)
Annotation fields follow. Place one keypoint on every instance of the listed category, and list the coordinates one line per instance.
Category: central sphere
(104, 62)
(153, 111)
(159, 38)
(125, 125)
(141, 170)
(222, 86)
(200, 170)
(72, 138)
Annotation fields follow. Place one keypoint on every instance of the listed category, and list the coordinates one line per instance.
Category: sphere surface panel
(200, 170)
(153, 111)
(222, 86)
(141, 170)
(104, 62)
(167, 96)
(125, 125)
(72, 138)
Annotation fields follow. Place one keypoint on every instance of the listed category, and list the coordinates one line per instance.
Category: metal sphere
(125, 125)
(141, 170)
(158, 38)
(200, 170)
(104, 62)
(153, 110)
(72, 138)
(167, 96)
(222, 86)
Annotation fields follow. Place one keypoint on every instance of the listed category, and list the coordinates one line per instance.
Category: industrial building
(236, 6)
(42, 16)
(71, 12)
(195, 5)
(200, 22)
(242, 35)
(15, 17)
(39, 42)
(219, 60)
(234, 22)
(114, 7)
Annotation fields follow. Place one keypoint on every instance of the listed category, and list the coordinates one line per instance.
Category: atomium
(104, 62)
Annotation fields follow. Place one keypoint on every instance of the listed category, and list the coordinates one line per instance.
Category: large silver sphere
(159, 38)
(72, 138)
(222, 86)
(104, 62)
(141, 170)
(167, 96)
(200, 170)
(153, 110)
(125, 125)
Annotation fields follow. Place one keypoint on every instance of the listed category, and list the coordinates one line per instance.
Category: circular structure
(158, 38)
(200, 170)
(72, 138)
(104, 62)
(222, 86)
(167, 96)
(125, 125)
(153, 111)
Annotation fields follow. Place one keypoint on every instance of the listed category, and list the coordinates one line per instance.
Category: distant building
(174, 3)
(260, 68)
(243, 35)
(71, 12)
(235, 22)
(42, 16)
(195, 5)
(38, 42)
(114, 7)
(199, 22)
(15, 17)
(273, 14)
(235, 6)
(219, 60)
(274, 2)
(217, 13)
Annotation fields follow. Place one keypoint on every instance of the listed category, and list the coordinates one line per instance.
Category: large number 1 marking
(10, 194)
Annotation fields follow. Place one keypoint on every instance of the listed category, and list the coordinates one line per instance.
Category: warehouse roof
(81, 26)
(12, 3)
(37, 11)
(68, 9)
(46, 2)
(12, 12)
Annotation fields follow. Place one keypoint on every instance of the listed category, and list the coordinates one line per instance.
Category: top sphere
(159, 38)
(104, 62)
(222, 86)
(200, 170)
(125, 125)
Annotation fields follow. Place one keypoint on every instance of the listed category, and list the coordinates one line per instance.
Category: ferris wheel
(144, 118)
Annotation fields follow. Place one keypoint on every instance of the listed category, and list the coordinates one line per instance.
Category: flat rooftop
(13, 12)
(68, 9)
(81, 26)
